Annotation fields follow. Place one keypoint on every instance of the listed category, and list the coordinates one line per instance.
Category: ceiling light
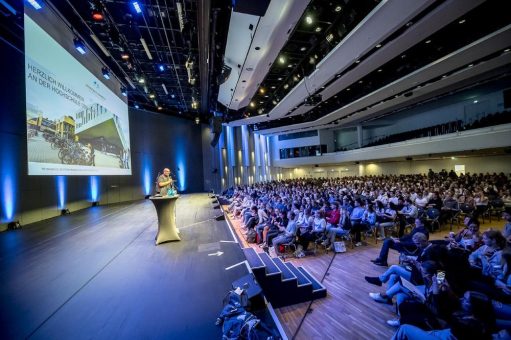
(357, 61)
(164, 88)
(290, 65)
(79, 45)
(152, 96)
(125, 56)
(124, 91)
(303, 48)
(428, 41)
(476, 101)
(273, 87)
(136, 6)
(378, 46)
(471, 65)
(106, 72)
(348, 89)
(172, 96)
(136, 106)
(161, 67)
(379, 70)
(180, 16)
(286, 86)
(282, 60)
(329, 37)
(337, 8)
(252, 104)
(160, 108)
(262, 90)
(35, 4)
(462, 21)
(295, 78)
(274, 102)
(144, 44)
(308, 19)
(141, 80)
(507, 50)
(197, 120)
(318, 29)
(279, 78)
(97, 15)
(100, 45)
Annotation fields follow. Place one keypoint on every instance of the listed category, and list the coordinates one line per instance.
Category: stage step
(254, 261)
(287, 274)
(318, 290)
(301, 278)
(271, 267)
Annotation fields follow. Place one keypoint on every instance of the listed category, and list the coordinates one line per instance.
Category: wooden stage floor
(96, 274)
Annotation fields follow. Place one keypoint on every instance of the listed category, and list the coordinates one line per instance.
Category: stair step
(254, 261)
(287, 274)
(302, 280)
(271, 267)
(318, 290)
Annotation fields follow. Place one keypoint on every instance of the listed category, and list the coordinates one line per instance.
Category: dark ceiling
(168, 78)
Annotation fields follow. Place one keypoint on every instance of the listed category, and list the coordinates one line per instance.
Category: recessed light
(348, 89)
(262, 90)
(308, 19)
(286, 86)
(273, 87)
(462, 21)
(428, 41)
(318, 29)
(280, 78)
(252, 104)
(357, 61)
(303, 48)
(470, 65)
(476, 101)
(290, 65)
(338, 8)
(507, 50)
(282, 60)
(378, 46)
(379, 70)
(360, 81)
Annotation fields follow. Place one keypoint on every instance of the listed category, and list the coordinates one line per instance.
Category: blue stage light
(9, 149)
(181, 165)
(136, 106)
(36, 4)
(147, 173)
(79, 45)
(106, 72)
(124, 91)
(61, 191)
(161, 67)
(136, 6)
(94, 188)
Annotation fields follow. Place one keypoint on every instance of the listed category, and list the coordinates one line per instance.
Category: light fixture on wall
(65, 211)
(14, 225)
(79, 45)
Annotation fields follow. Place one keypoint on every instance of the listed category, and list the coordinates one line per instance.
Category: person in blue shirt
(356, 218)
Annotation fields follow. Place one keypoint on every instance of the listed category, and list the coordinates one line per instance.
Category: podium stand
(166, 210)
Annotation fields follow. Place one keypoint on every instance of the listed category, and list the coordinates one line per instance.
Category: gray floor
(96, 274)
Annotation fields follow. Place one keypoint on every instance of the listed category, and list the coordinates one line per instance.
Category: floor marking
(218, 253)
(235, 265)
(228, 241)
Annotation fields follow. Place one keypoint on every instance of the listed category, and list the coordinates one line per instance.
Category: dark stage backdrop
(156, 141)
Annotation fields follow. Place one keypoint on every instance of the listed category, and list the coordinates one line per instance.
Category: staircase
(283, 284)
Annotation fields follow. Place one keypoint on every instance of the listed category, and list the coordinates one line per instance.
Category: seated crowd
(457, 287)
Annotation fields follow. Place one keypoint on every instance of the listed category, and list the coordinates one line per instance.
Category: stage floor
(97, 274)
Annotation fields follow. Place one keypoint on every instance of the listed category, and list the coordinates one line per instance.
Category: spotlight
(65, 212)
(141, 80)
(282, 60)
(161, 67)
(14, 225)
(95, 204)
(124, 91)
(106, 72)
(79, 45)
(97, 15)
(136, 106)
(308, 19)
(152, 95)
(36, 4)
(136, 6)
(197, 120)
(125, 56)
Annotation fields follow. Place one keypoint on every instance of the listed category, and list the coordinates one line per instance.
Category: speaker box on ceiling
(251, 7)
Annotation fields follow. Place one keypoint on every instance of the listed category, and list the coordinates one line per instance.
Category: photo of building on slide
(91, 137)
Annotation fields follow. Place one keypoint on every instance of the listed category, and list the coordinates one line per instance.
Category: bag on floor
(251, 236)
(340, 247)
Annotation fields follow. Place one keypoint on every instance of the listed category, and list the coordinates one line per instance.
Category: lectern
(166, 210)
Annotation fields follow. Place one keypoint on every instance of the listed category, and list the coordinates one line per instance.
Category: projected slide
(75, 124)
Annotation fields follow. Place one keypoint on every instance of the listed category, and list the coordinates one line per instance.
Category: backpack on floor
(251, 236)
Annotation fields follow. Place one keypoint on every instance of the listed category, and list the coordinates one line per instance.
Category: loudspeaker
(216, 124)
(254, 291)
(224, 74)
(251, 7)
(215, 139)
